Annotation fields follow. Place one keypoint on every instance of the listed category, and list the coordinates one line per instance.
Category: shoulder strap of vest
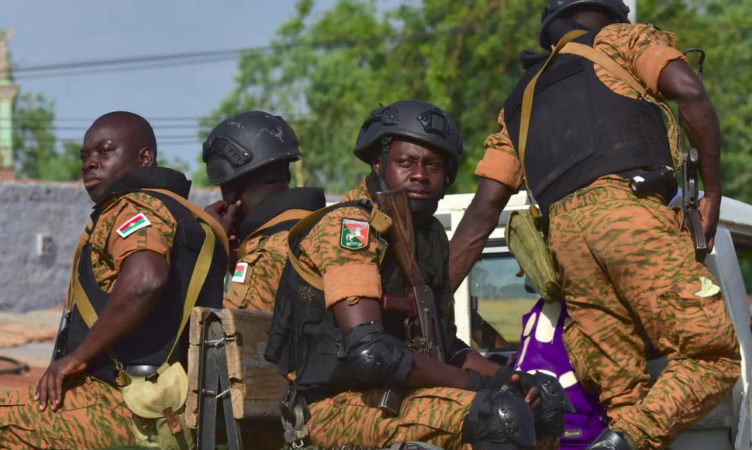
(290, 214)
(199, 214)
(198, 276)
(74, 286)
(527, 97)
(527, 111)
(603, 60)
(598, 57)
(378, 220)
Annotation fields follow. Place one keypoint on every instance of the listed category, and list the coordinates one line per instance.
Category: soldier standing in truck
(627, 266)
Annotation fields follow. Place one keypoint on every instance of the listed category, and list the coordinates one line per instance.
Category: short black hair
(139, 126)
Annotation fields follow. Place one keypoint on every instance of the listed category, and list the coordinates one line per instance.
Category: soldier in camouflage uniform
(329, 334)
(126, 271)
(248, 155)
(626, 263)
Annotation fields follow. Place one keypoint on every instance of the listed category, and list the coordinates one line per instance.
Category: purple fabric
(587, 423)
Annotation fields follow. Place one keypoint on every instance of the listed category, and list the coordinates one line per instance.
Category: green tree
(326, 74)
(34, 142)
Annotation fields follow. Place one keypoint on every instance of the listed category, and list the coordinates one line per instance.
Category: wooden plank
(191, 403)
(257, 387)
(197, 324)
(195, 336)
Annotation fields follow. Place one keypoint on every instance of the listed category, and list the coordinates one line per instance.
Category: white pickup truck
(234, 377)
(501, 298)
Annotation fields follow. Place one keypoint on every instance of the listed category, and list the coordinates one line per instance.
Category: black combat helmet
(246, 142)
(415, 121)
(554, 9)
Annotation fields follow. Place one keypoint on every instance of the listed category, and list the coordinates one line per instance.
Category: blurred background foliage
(325, 74)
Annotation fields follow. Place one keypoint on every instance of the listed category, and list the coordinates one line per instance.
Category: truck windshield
(502, 297)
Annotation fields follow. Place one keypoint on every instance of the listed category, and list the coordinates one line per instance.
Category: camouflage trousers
(92, 415)
(630, 279)
(434, 416)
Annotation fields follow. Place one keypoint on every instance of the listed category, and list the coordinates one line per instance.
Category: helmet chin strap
(421, 209)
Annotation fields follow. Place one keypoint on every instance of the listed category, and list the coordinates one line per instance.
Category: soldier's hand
(50, 386)
(532, 392)
(224, 214)
(710, 211)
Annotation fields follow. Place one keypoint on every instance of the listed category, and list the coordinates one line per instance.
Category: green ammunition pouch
(528, 245)
(523, 233)
(158, 406)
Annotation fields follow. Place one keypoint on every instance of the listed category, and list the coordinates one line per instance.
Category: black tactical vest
(151, 342)
(580, 130)
(305, 337)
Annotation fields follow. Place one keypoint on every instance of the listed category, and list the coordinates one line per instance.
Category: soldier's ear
(376, 164)
(147, 157)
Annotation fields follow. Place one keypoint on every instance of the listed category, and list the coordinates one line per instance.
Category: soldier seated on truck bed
(329, 335)
(138, 257)
(248, 155)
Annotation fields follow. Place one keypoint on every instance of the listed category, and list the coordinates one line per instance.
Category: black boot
(610, 440)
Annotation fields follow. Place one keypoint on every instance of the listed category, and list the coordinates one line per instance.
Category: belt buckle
(141, 370)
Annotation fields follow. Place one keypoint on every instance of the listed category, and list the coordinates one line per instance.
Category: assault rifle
(690, 189)
(691, 203)
(423, 329)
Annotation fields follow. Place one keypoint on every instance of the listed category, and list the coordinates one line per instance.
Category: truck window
(744, 254)
(502, 298)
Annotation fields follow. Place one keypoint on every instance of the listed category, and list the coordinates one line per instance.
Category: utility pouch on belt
(158, 405)
(523, 233)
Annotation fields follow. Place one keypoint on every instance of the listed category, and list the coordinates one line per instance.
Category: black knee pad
(499, 421)
(375, 357)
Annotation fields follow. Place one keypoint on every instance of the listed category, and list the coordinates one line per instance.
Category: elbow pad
(375, 357)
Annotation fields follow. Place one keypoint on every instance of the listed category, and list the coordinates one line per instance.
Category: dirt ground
(27, 338)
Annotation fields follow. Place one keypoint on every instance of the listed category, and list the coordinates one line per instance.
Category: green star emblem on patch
(354, 235)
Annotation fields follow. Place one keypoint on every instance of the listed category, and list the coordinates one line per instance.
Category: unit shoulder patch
(136, 223)
(354, 234)
(241, 270)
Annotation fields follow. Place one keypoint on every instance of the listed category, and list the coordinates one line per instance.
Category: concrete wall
(30, 280)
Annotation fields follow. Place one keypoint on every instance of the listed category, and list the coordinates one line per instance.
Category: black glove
(554, 403)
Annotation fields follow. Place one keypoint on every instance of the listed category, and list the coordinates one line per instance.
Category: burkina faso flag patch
(134, 224)
(354, 235)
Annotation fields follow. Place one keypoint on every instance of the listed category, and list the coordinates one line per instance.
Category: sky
(53, 31)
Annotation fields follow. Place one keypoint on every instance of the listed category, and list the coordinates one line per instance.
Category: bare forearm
(431, 373)
(477, 224)
(477, 362)
(700, 121)
(699, 118)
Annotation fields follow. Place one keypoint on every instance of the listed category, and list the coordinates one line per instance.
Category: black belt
(660, 181)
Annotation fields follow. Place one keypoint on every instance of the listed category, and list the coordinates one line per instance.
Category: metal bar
(208, 384)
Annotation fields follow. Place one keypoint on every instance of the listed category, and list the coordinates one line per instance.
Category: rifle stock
(396, 204)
